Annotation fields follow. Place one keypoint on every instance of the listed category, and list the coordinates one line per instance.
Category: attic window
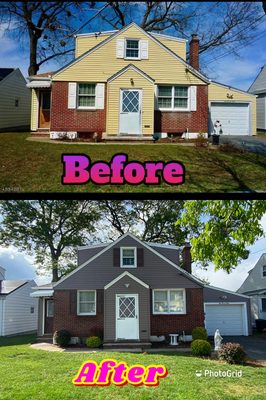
(264, 271)
(128, 257)
(132, 48)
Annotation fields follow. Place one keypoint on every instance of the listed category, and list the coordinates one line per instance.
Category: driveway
(248, 143)
(254, 346)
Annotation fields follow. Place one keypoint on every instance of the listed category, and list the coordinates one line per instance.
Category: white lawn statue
(217, 340)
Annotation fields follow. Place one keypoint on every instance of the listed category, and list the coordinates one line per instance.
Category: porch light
(127, 285)
(132, 81)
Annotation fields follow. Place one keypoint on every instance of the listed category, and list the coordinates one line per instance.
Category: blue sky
(238, 71)
(21, 266)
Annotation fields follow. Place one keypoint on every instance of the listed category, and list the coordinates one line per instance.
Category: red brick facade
(64, 119)
(65, 314)
(162, 324)
(180, 121)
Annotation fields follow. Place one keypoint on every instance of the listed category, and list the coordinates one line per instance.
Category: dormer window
(264, 271)
(128, 257)
(132, 48)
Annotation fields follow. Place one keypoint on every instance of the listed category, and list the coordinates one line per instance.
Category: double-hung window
(86, 95)
(264, 271)
(128, 257)
(132, 48)
(169, 301)
(86, 302)
(173, 97)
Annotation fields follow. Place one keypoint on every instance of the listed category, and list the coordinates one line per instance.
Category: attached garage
(234, 108)
(234, 117)
(226, 311)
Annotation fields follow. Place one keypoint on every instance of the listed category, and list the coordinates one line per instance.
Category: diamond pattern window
(127, 307)
(130, 101)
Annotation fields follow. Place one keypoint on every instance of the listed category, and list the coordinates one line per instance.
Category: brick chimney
(186, 257)
(194, 51)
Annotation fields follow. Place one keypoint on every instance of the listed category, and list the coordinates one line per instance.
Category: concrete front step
(126, 138)
(119, 346)
(46, 338)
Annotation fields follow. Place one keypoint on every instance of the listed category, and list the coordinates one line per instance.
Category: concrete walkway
(248, 143)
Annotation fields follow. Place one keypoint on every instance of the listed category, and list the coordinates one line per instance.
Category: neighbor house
(15, 101)
(131, 290)
(254, 286)
(18, 311)
(132, 84)
(258, 88)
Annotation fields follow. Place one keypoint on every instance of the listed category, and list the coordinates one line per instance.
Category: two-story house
(130, 290)
(254, 286)
(131, 84)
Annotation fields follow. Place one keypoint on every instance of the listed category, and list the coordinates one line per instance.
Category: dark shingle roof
(4, 72)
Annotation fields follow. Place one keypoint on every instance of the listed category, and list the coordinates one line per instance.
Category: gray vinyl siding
(212, 295)
(259, 84)
(11, 88)
(261, 111)
(254, 281)
(156, 272)
(86, 254)
(17, 315)
(110, 307)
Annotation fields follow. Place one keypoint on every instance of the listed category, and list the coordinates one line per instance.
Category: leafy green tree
(48, 229)
(221, 230)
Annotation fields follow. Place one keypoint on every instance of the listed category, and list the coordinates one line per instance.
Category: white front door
(127, 318)
(130, 111)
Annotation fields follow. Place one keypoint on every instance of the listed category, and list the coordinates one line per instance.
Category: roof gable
(160, 256)
(259, 84)
(254, 281)
(126, 273)
(5, 72)
(127, 68)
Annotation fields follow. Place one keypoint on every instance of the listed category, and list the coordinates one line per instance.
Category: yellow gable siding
(113, 101)
(84, 43)
(101, 64)
(217, 92)
(178, 48)
(34, 110)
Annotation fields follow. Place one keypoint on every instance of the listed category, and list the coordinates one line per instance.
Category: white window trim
(173, 98)
(47, 309)
(121, 257)
(168, 298)
(95, 299)
(263, 277)
(125, 50)
(84, 95)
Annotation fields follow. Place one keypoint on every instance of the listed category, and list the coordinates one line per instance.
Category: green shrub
(93, 341)
(201, 348)
(199, 333)
(62, 337)
(232, 353)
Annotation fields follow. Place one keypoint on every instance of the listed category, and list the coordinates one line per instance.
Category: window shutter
(193, 98)
(100, 96)
(144, 49)
(188, 301)
(140, 257)
(72, 94)
(73, 302)
(120, 46)
(116, 255)
(155, 97)
(99, 301)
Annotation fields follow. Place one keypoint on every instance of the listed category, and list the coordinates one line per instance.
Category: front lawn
(28, 374)
(28, 166)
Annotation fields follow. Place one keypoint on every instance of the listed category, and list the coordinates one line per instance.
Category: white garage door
(230, 319)
(234, 117)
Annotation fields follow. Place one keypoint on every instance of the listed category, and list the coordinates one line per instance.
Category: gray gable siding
(110, 308)
(86, 254)
(156, 272)
(259, 84)
(254, 282)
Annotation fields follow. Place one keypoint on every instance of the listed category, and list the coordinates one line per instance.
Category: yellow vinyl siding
(217, 92)
(101, 64)
(34, 110)
(113, 101)
(178, 48)
(85, 43)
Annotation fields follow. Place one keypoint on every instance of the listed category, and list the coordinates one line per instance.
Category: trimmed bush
(201, 348)
(93, 341)
(199, 333)
(62, 337)
(232, 353)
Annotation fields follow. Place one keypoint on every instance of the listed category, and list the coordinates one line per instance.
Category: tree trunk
(55, 270)
(33, 67)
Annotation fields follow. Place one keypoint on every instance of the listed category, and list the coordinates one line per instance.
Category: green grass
(27, 166)
(28, 374)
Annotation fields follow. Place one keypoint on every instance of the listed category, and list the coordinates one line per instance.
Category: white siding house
(18, 311)
(15, 101)
(258, 87)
